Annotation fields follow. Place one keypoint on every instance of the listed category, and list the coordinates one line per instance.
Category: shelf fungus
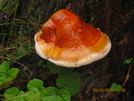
(67, 41)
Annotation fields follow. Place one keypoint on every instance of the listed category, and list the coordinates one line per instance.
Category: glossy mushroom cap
(67, 41)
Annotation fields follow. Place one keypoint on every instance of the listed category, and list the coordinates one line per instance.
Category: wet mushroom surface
(68, 41)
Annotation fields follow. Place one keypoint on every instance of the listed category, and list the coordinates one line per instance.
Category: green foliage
(55, 94)
(7, 75)
(115, 87)
(35, 88)
(57, 69)
(67, 86)
(12, 92)
(67, 79)
(35, 85)
(128, 61)
(20, 45)
(37, 92)
(54, 68)
(8, 6)
(22, 48)
(69, 82)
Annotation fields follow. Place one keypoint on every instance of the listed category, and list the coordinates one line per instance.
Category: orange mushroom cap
(68, 41)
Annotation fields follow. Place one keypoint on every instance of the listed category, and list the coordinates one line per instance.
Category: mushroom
(67, 41)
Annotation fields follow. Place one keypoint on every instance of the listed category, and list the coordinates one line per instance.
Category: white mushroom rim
(91, 58)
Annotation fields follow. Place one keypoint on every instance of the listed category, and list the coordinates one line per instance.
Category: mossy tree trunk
(115, 18)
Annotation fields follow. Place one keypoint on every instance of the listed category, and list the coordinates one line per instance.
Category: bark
(116, 19)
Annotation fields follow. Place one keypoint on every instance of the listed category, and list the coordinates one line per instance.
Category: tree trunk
(113, 17)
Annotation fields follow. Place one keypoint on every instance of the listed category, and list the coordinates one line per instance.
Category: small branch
(7, 49)
(127, 76)
(19, 64)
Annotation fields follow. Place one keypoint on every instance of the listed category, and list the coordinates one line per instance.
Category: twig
(19, 64)
(7, 49)
(127, 76)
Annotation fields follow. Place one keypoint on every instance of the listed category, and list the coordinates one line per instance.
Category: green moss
(8, 6)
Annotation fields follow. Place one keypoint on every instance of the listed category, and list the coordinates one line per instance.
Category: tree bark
(116, 19)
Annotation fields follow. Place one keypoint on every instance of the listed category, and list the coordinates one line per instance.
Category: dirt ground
(116, 19)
